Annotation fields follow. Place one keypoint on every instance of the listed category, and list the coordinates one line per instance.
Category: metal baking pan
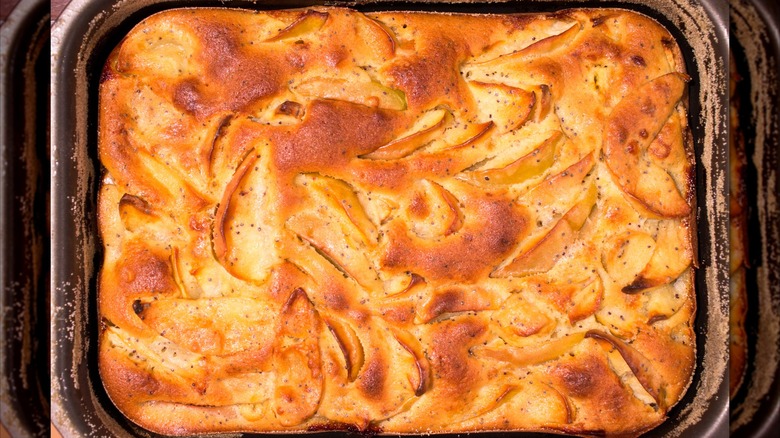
(755, 42)
(24, 261)
(87, 31)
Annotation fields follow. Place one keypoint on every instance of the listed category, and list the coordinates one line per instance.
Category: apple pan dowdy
(396, 222)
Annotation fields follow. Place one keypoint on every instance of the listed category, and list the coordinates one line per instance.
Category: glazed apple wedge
(297, 361)
(350, 346)
(670, 259)
(360, 91)
(546, 252)
(508, 107)
(524, 168)
(630, 128)
(310, 21)
(428, 127)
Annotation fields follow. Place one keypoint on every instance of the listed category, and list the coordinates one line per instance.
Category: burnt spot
(638, 60)
(133, 201)
(598, 21)
(290, 108)
(140, 307)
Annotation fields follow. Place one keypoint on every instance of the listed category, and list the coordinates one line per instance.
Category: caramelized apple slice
(532, 354)
(670, 259)
(350, 346)
(518, 316)
(434, 211)
(325, 232)
(340, 194)
(559, 192)
(218, 240)
(135, 212)
(626, 255)
(543, 255)
(586, 301)
(474, 133)
(297, 361)
(524, 168)
(630, 128)
(413, 346)
(543, 47)
(170, 185)
(663, 302)
(414, 281)
(508, 107)
(310, 21)
(455, 299)
(368, 93)
(543, 103)
(640, 366)
(427, 128)
(375, 37)
(578, 214)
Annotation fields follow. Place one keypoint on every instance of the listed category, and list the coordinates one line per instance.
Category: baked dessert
(737, 240)
(397, 221)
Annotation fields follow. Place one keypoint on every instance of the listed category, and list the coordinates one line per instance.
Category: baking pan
(88, 30)
(24, 261)
(755, 42)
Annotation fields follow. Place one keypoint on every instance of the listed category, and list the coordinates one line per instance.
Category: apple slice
(630, 128)
(641, 367)
(670, 259)
(342, 196)
(543, 103)
(474, 133)
(374, 38)
(524, 168)
(559, 192)
(136, 212)
(532, 354)
(297, 361)
(626, 255)
(310, 21)
(586, 301)
(413, 347)
(414, 281)
(428, 127)
(453, 300)
(218, 229)
(434, 211)
(518, 316)
(542, 256)
(545, 253)
(663, 302)
(508, 107)
(368, 93)
(350, 346)
(325, 232)
(543, 47)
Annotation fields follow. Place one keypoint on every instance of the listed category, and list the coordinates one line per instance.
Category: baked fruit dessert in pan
(398, 222)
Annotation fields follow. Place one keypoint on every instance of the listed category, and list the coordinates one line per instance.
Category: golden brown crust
(405, 222)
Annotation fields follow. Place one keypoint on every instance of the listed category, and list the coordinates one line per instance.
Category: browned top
(404, 222)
